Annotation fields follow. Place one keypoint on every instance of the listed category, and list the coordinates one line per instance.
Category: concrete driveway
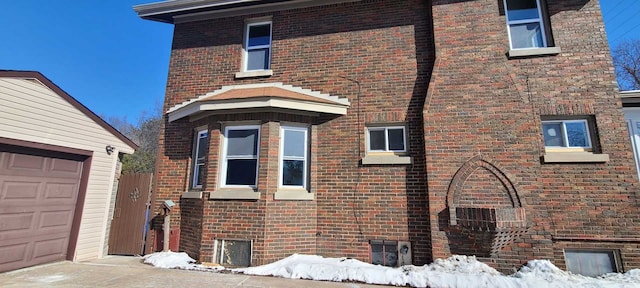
(124, 271)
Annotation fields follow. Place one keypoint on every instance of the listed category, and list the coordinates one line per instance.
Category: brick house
(396, 132)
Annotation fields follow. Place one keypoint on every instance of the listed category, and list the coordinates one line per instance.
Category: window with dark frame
(258, 46)
(384, 253)
(525, 24)
(591, 263)
(240, 164)
(199, 157)
(386, 139)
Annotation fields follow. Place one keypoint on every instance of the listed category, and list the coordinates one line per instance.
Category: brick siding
(440, 67)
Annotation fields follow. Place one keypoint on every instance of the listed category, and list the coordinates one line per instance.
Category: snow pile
(456, 271)
(170, 260)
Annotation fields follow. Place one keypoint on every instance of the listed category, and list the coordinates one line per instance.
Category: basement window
(233, 253)
(384, 253)
(592, 263)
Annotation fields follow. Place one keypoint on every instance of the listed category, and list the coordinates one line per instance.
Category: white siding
(30, 111)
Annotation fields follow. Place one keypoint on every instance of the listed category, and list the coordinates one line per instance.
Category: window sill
(293, 194)
(386, 160)
(191, 195)
(574, 157)
(258, 73)
(518, 53)
(235, 194)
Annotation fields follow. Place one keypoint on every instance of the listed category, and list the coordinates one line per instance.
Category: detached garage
(58, 166)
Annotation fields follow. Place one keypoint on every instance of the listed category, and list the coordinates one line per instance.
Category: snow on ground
(456, 271)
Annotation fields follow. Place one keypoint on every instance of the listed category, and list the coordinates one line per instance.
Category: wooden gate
(131, 214)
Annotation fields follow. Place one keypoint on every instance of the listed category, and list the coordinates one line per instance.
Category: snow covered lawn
(457, 271)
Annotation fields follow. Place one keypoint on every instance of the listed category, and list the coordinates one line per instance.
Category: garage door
(38, 197)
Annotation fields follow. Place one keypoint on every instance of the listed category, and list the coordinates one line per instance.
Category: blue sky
(116, 64)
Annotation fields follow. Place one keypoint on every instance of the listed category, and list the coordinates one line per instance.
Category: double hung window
(199, 157)
(258, 46)
(240, 164)
(293, 156)
(525, 24)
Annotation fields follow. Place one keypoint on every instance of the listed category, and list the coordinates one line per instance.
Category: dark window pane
(590, 263)
(376, 140)
(242, 142)
(241, 172)
(292, 172)
(259, 35)
(199, 174)
(258, 59)
(528, 35)
(577, 134)
(377, 255)
(396, 139)
(294, 141)
(234, 253)
(522, 9)
(390, 254)
(552, 134)
(202, 146)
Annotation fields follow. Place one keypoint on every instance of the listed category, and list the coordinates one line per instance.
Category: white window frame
(565, 136)
(539, 20)
(305, 159)
(196, 158)
(247, 49)
(386, 139)
(225, 157)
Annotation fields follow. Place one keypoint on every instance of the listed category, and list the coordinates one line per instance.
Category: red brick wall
(381, 64)
(482, 103)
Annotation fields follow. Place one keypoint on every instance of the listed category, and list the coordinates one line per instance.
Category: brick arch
(469, 168)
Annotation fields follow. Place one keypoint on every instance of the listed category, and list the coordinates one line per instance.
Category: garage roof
(46, 82)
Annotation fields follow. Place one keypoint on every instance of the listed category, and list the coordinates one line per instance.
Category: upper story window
(567, 134)
(257, 46)
(525, 24)
(199, 157)
(240, 156)
(293, 157)
(386, 139)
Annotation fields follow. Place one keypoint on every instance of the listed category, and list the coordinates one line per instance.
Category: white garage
(58, 164)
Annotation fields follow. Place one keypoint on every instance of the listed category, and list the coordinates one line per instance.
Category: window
(293, 156)
(567, 134)
(233, 253)
(240, 165)
(258, 46)
(591, 263)
(199, 157)
(525, 24)
(386, 139)
(384, 253)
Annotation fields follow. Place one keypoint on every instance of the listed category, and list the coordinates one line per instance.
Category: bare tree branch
(626, 59)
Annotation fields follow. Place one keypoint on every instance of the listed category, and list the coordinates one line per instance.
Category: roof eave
(228, 107)
(193, 10)
(75, 103)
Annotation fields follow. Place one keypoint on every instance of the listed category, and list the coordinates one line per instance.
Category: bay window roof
(260, 98)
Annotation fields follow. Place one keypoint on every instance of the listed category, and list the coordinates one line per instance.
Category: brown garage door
(38, 196)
